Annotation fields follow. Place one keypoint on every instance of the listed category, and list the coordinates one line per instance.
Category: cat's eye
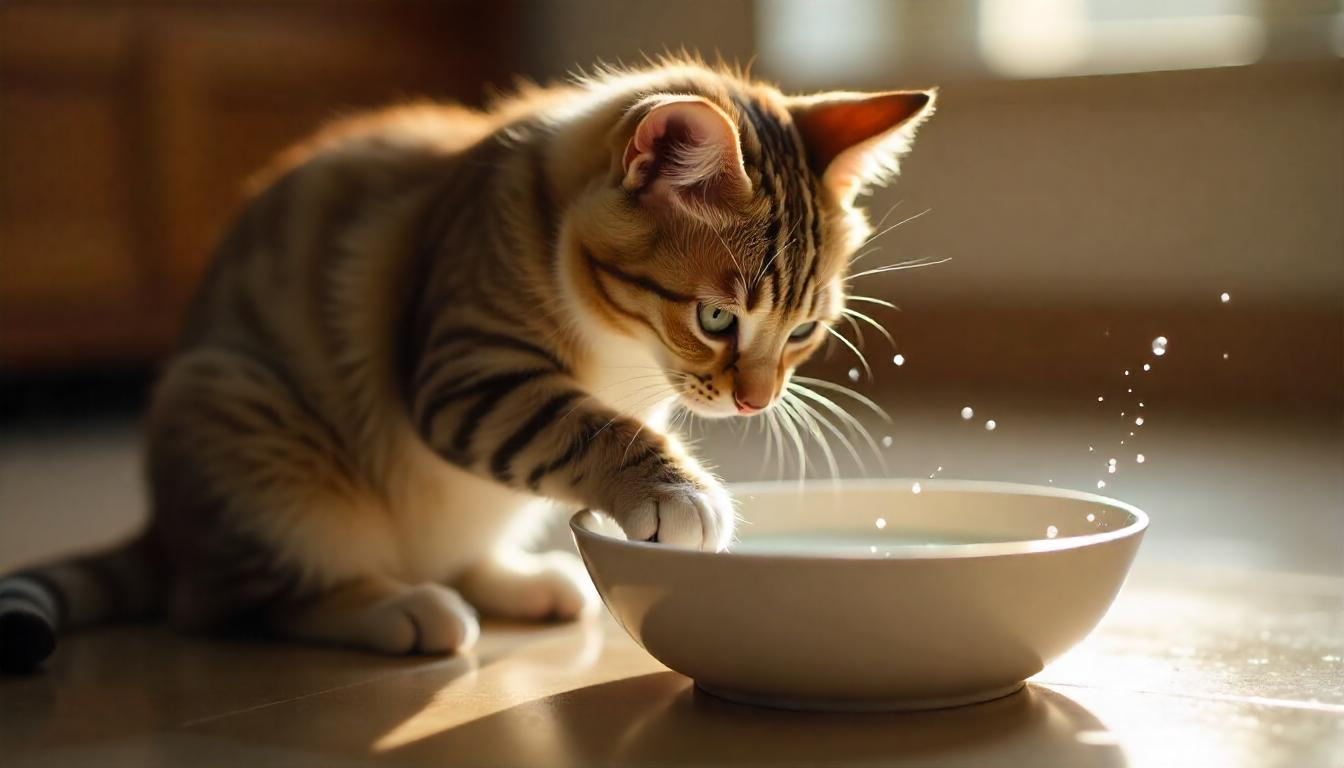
(716, 321)
(803, 331)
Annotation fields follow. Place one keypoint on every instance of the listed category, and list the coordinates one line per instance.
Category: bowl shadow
(661, 718)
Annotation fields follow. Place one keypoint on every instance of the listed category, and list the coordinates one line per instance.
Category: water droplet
(881, 523)
(1101, 483)
(898, 360)
(1140, 403)
(1111, 462)
(1160, 346)
(1147, 367)
(991, 425)
(940, 468)
(1140, 459)
(1050, 480)
(1226, 297)
(853, 374)
(1126, 372)
(1122, 442)
(1224, 355)
(1138, 421)
(1122, 414)
(1101, 398)
(967, 412)
(1091, 518)
(916, 488)
(1051, 532)
(887, 441)
(1111, 469)
(1090, 449)
(872, 549)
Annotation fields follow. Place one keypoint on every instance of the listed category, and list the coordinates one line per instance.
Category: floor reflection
(662, 718)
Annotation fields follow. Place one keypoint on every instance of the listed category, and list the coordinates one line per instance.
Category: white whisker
(914, 264)
(852, 348)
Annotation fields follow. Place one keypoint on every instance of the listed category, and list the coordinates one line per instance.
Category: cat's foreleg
(520, 418)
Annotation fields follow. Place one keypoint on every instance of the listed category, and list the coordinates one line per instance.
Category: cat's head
(721, 234)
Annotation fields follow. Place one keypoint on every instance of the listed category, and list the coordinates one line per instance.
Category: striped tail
(36, 604)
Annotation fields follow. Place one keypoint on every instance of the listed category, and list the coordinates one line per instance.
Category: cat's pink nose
(745, 406)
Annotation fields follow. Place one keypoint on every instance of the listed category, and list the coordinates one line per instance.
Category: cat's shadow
(661, 718)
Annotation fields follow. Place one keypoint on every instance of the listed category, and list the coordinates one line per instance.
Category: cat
(428, 318)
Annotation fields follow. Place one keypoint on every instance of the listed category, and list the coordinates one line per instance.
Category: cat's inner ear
(855, 139)
(685, 149)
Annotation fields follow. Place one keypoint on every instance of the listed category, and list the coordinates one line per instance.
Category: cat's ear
(684, 149)
(855, 140)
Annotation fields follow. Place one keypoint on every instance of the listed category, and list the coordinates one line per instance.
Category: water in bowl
(843, 543)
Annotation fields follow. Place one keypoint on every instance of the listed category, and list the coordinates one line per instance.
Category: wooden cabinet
(127, 129)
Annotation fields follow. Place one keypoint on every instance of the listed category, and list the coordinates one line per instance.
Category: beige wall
(1165, 187)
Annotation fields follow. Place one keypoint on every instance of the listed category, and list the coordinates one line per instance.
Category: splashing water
(853, 374)
(1160, 346)
(899, 360)
(991, 425)
(967, 412)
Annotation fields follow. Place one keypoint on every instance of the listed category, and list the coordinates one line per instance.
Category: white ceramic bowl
(817, 607)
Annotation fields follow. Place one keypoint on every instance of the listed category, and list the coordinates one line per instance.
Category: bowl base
(858, 705)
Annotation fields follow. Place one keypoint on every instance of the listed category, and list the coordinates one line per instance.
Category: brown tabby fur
(430, 316)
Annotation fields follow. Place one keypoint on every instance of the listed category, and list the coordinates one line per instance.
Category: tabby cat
(430, 317)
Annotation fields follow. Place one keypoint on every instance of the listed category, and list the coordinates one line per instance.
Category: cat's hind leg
(512, 584)
(268, 523)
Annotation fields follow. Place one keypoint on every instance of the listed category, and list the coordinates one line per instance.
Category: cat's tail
(36, 604)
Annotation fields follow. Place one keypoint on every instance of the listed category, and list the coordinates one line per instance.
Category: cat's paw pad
(426, 619)
(691, 516)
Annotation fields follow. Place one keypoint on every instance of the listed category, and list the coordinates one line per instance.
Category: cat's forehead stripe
(793, 233)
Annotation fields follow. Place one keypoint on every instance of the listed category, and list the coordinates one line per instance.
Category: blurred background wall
(1099, 171)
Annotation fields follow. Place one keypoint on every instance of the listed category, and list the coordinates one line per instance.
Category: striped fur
(430, 317)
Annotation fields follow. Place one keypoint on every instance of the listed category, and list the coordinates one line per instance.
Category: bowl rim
(904, 552)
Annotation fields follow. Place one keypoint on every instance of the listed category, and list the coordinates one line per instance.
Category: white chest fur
(625, 376)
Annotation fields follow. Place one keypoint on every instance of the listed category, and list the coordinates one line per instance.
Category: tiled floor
(1224, 649)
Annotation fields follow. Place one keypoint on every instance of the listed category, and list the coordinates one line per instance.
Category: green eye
(803, 331)
(716, 321)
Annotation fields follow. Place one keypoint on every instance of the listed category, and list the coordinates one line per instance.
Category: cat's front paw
(693, 515)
